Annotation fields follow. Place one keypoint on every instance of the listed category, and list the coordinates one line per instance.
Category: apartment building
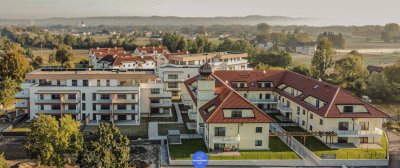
(314, 105)
(127, 61)
(95, 95)
(306, 48)
(219, 61)
(226, 120)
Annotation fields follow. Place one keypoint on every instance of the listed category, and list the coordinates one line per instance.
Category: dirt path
(394, 149)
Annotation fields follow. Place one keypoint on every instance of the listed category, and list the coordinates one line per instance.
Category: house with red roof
(225, 102)
(127, 61)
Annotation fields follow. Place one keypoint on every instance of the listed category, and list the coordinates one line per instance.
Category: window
(94, 96)
(83, 96)
(74, 83)
(236, 113)
(121, 96)
(364, 125)
(172, 85)
(155, 90)
(41, 107)
(121, 107)
(154, 100)
(41, 96)
(105, 96)
(71, 107)
(105, 107)
(317, 103)
(267, 96)
(172, 76)
(84, 106)
(55, 96)
(175, 93)
(348, 109)
(55, 107)
(258, 129)
(108, 82)
(304, 112)
(343, 125)
(298, 110)
(303, 123)
(310, 128)
(71, 96)
(98, 83)
(311, 116)
(133, 96)
(85, 83)
(245, 95)
(260, 96)
(58, 82)
(219, 131)
(321, 122)
(258, 142)
(209, 109)
(94, 107)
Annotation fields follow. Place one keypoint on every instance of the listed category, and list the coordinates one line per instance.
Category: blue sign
(199, 159)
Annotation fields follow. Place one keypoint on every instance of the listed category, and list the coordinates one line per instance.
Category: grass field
(128, 130)
(23, 127)
(79, 55)
(278, 150)
(362, 43)
(320, 148)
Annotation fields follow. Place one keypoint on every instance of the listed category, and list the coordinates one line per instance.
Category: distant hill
(161, 20)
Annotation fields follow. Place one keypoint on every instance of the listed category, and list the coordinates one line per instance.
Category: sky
(330, 12)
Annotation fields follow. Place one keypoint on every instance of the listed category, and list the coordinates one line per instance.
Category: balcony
(48, 101)
(71, 101)
(125, 111)
(226, 139)
(192, 114)
(103, 101)
(22, 104)
(161, 104)
(283, 108)
(173, 80)
(173, 89)
(161, 95)
(59, 111)
(263, 101)
(358, 133)
(124, 101)
(24, 94)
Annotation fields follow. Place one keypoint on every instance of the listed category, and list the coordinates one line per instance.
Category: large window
(172, 76)
(258, 129)
(219, 131)
(105, 107)
(83, 96)
(155, 90)
(98, 83)
(121, 96)
(105, 96)
(364, 125)
(71, 107)
(71, 96)
(172, 85)
(85, 83)
(121, 107)
(55, 96)
(74, 83)
(55, 107)
(108, 82)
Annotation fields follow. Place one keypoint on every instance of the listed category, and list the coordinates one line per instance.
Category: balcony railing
(104, 101)
(161, 104)
(48, 101)
(161, 95)
(173, 80)
(71, 101)
(358, 133)
(24, 94)
(283, 108)
(125, 111)
(263, 101)
(124, 101)
(21, 105)
(237, 62)
(59, 111)
(226, 139)
(173, 89)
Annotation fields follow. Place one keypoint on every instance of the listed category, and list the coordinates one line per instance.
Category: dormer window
(348, 109)
(236, 113)
(210, 109)
(264, 84)
(239, 85)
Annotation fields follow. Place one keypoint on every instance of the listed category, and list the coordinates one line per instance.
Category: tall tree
(37, 62)
(8, 88)
(107, 147)
(380, 89)
(64, 54)
(350, 71)
(322, 59)
(263, 28)
(53, 143)
(13, 63)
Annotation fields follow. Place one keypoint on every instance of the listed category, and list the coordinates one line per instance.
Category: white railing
(283, 108)
(165, 94)
(124, 101)
(162, 104)
(263, 101)
(50, 101)
(226, 139)
(21, 105)
(71, 101)
(357, 133)
(173, 80)
(125, 111)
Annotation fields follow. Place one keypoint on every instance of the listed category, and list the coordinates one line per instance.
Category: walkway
(153, 126)
(394, 149)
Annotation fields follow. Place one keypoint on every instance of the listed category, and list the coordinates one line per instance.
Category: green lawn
(320, 148)
(278, 150)
(140, 131)
(23, 127)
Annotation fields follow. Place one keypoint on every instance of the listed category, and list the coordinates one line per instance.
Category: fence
(241, 156)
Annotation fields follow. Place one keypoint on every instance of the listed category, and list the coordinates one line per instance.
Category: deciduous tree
(13, 63)
(64, 54)
(322, 59)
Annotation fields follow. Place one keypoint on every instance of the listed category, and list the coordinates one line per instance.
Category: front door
(342, 139)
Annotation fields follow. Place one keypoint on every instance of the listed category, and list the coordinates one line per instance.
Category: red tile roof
(119, 59)
(150, 50)
(330, 94)
(102, 52)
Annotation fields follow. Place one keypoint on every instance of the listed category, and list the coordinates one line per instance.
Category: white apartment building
(306, 48)
(95, 95)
